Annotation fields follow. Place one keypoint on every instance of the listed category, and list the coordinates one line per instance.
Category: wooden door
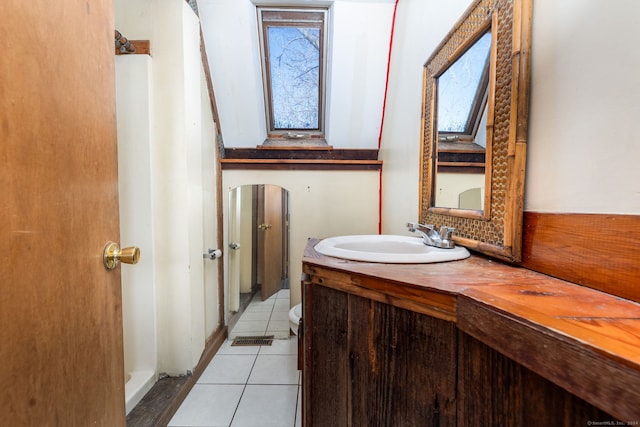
(60, 309)
(271, 231)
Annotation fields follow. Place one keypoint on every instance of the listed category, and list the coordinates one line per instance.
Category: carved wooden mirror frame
(497, 229)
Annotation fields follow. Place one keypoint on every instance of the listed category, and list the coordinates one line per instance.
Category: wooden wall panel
(494, 390)
(403, 366)
(600, 251)
(326, 360)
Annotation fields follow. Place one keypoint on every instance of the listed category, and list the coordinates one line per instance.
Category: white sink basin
(387, 248)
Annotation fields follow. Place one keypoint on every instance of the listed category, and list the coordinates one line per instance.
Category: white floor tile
(267, 406)
(282, 347)
(279, 335)
(250, 325)
(260, 306)
(274, 369)
(262, 382)
(299, 409)
(279, 315)
(262, 316)
(228, 369)
(284, 293)
(258, 297)
(281, 305)
(208, 405)
(278, 326)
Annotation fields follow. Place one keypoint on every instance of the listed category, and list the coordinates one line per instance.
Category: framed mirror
(474, 129)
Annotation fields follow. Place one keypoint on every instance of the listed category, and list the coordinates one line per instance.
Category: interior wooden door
(60, 309)
(271, 249)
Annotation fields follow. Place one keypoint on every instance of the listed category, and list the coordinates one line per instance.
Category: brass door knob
(112, 255)
(264, 227)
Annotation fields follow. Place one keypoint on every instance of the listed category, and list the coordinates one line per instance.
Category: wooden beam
(300, 164)
(302, 153)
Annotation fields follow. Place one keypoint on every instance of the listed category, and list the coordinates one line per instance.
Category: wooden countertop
(586, 341)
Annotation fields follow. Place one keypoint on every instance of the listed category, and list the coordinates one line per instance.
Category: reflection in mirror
(487, 215)
(462, 92)
(258, 245)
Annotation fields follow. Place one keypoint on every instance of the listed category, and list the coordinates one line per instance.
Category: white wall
(358, 52)
(420, 26)
(230, 31)
(183, 185)
(582, 141)
(582, 146)
(358, 60)
(210, 208)
(321, 204)
(133, 95)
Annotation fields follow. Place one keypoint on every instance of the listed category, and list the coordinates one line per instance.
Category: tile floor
(249, 386)
(268, 317)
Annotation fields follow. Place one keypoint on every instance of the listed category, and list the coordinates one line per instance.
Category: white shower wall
(133, 91)
(178, 214)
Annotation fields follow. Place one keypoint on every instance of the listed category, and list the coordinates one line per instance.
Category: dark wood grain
(494, 390)
(299, 164)
(580, 369)
(403, 366)
(308, 153)
(326, 359)
(577, 339)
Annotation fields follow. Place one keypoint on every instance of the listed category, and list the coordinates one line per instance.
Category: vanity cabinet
(372, 364)
(494, 390)
(377, 353)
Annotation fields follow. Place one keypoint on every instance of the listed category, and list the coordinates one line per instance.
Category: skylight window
(293, 59)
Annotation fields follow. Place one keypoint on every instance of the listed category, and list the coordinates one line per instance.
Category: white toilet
(294, 317)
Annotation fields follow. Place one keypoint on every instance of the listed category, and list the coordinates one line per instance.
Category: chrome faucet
(431, 237)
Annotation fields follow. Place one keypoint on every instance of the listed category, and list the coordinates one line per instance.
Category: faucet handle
(413, 226)
(446, 232)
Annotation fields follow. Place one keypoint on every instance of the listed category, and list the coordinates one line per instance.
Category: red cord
(386, 85)
(380, 202)
(384, 106)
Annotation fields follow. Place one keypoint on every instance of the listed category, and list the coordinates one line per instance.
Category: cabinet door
(403, 366)
(371, 364)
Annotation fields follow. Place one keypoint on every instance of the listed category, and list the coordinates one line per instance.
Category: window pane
(294, 66)
(459, 87)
